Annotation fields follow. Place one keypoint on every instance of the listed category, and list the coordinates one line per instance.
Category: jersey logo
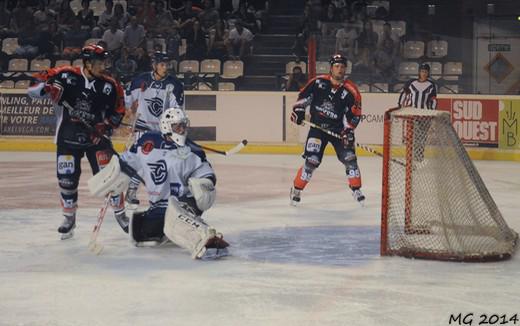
(344, 94)
(159, 172)
(147, 147)
(155, 106)
(107, 89)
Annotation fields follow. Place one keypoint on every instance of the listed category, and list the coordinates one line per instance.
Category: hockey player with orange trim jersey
(335, 105)
(85, 100)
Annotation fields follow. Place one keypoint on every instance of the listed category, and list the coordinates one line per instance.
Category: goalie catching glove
(203, 191)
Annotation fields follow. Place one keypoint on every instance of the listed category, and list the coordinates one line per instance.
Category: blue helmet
(158, 57)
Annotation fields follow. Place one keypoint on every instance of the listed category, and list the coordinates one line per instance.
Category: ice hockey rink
(315, 264)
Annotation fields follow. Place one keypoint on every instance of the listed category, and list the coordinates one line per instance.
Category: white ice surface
(316, 264)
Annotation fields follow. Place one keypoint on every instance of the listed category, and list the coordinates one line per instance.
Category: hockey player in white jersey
(180, 183)
(154, 92)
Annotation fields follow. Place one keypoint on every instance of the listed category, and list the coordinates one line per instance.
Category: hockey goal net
(435, 204)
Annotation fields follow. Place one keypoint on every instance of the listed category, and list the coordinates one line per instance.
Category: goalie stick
(237, 148)
(93, 245)
(364, 147)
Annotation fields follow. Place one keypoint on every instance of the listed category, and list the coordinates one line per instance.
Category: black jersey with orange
(331, 107)
(90, 101)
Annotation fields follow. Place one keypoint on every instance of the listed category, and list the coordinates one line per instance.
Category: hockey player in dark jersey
(153, 92)
(89, 105)
(420, 92)
(335, 104)
(180, 183)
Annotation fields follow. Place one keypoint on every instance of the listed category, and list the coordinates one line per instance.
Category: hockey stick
(364, 147)
(237, 148)
(93, 245)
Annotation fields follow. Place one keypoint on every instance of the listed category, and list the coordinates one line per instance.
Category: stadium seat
(413, 49)
(203, 87)
(452, 70)
(189, 66)
(322, 67)
(60, 63)
(226, 86)
(435, 69)
(77, 63)
(18, 65)
(398, 27)
(408, 69)
(437, 49)
(379, 88)
(22, 84)
(210, 66)
(9, 45)
(233, 69)
(290, 65)
(40, 64)
(7, 84)
(364, 88)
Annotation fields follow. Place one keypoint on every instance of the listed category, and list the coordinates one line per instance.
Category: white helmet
(175, 123)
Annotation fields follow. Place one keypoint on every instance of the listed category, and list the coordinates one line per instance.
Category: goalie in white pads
(181, 185)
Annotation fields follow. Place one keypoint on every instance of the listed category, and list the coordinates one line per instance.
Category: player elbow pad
(203, 191)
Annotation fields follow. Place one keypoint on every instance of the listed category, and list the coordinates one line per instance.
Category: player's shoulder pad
(153, 138)
(196, 149)
(352, 88)
(142, 79)
(45, 75)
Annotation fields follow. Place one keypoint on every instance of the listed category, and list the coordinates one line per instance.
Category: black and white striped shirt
(419, 94)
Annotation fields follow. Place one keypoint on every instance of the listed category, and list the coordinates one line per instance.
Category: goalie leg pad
(187, 230)
(147, 227)
(110, 179)
(204, 192)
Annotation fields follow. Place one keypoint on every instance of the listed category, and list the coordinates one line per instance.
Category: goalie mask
(174, 124)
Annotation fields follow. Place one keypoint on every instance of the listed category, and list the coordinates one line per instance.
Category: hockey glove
(298, 115)
(102, 129)
(54, 91)
(347, 138)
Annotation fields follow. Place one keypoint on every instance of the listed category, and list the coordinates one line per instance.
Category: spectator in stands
(162, 21)
(246, 18)
(218, 39)
(297, 79)
(120, 16)
(173, 43)
(4, 61)
(368, 39)
(114, 39)
(86, 16)
(176, 8)
(106, 16)
(209, 16)
(346, 40)
(385, 55)
(362, 69)
(27, 44)
(142, 59)
(196, 41)
(240, 40)
(5, 21)
(327, 17)
(49, 39)
(74, 39)
(66, 16)
(42, 16)
(134, 35)
(125, 67)
(21, 15)
(299, 48)
(226, 8)
(388, 43)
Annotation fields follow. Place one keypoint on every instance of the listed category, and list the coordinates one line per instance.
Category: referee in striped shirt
(421, 92)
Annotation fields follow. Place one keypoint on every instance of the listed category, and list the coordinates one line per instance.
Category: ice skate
(295, 196)
(131, 196)
(67, 227)
(359, 197)
(122, 220)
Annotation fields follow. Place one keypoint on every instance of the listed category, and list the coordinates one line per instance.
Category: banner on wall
(509, 114)
(21, 115)
(474, 120)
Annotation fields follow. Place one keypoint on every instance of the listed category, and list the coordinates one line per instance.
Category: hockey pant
(68, 170)
(315, 146)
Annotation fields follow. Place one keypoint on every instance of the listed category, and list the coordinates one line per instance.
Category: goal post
(435, 205)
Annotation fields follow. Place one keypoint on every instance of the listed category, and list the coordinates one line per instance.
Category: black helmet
(424, 66)
(158, 57)
(94, 52)
(338, 58)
